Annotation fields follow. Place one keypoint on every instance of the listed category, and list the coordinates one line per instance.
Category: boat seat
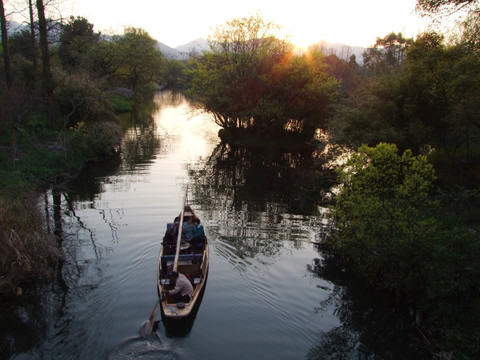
(183, 259)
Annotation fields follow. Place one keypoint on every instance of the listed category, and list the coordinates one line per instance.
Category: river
(267, 295)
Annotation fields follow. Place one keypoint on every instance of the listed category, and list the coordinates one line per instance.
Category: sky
(177, 22)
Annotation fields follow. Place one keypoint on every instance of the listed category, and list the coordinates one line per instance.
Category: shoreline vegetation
(35, 163)
(405, 219)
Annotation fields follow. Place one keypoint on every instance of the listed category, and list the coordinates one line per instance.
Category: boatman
(183, 290)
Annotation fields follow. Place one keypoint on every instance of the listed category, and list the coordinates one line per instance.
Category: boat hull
(194, 265)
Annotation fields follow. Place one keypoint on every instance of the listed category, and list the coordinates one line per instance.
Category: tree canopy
(251, 80)
(447, 6)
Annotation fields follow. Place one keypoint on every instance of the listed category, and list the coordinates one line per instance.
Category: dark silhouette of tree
(6, 53)
(446, 7)
(47, 78)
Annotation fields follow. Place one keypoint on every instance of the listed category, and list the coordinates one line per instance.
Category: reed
(27, 250)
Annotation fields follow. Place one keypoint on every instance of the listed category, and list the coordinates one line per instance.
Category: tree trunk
(33, 37)
(6, 52)
(47, 78)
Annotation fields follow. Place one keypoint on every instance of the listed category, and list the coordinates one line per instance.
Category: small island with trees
(405, 217)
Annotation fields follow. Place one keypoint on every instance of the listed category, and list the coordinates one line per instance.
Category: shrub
(388, 230)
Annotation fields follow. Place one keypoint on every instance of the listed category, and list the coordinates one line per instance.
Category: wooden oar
(147, 327)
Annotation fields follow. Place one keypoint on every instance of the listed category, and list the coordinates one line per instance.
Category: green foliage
(82, 97)
(137, 61)
(388, 231)
(387, 54)
(383, 213)
(95, 140)
(121, 103)
(172, 72)
(430, 99)
(76, 42)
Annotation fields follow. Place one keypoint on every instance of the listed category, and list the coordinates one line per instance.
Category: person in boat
(171, 234)
(183, 290)
(198, 233)
(188, 230)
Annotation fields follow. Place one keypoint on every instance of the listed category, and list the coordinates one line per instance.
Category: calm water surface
(264, 297)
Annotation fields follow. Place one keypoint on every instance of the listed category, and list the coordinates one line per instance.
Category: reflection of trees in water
(288, 181)
(43, 312)
(371, 328)
(169, 98)
(23, 324)
(262, 201)
(141, 142)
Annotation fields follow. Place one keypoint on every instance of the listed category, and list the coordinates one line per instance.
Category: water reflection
(140, 143)
(261, 212)
(279, 182)
(260, 202)
(370, 327)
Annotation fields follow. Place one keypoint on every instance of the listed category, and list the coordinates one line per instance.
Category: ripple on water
(140, 348)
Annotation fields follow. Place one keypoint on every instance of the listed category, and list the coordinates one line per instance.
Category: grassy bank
(33, 157)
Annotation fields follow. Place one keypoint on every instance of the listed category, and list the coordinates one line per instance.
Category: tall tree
(6, 53)
(387, 54)
(47, 77)
(33, 40)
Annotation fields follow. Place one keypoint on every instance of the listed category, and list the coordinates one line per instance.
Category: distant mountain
(14, 26)
(184, 52)
(168, 52)
(195, 47)
(342, 51)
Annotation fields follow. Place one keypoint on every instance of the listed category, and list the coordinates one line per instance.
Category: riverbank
(32, 158)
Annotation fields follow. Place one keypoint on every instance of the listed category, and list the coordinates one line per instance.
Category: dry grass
(27, 252)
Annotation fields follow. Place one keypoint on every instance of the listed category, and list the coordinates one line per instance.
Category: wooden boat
(191, 260)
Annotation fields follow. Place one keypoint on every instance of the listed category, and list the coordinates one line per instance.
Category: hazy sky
(176, 22)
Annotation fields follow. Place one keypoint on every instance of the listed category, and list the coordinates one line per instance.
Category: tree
(253, 82)
(387, 54)
(387, 230)
(6, 52)
(137, 60)
(447, 7)
(444, 83)
(47, 77)
(430, 99)
(344, 71)
(33, 40)
(76, 41)
(383, 213)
